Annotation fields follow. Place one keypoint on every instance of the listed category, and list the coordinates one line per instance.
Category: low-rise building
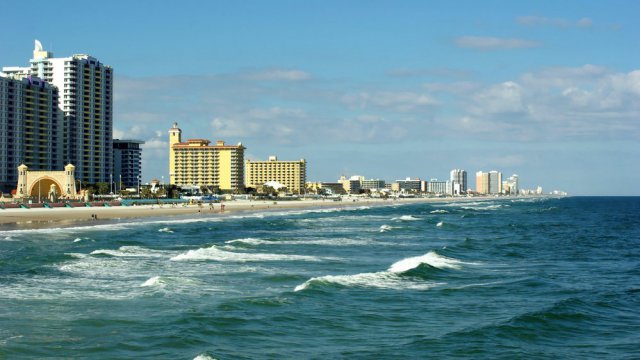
(291, 174)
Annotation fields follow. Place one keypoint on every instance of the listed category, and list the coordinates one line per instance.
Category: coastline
(11, 219)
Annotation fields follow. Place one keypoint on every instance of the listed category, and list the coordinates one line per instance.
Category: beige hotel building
(291, 174)
(196, 162)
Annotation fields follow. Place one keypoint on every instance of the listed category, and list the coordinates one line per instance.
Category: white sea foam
(130, 251)
(216, 254)
(431, 258)
(204, 357)
(405, 218)
(385, 228)
(380, 280)
(390, 279)
(439, 211)
(440, 224)
(153, 281)
(325, 242)
(165, 229)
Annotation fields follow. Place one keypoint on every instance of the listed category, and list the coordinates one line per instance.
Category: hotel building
(85, 87)
(291, 174)
(29, 126)
(127, 162)
(195, 162)
(458, 180)
(489, 183)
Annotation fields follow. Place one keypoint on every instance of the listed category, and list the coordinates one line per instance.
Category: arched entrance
(43, 188)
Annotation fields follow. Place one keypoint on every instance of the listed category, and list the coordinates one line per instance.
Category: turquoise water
(525, 278)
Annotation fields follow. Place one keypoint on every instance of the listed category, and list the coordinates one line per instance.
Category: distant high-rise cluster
(57, 111)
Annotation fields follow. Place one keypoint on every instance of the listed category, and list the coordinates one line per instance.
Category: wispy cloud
(280, 75)
(494, 43)
(534, 20)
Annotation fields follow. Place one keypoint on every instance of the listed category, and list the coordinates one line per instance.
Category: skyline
(548, 91)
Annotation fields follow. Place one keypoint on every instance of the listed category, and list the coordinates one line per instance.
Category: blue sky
(549, 90)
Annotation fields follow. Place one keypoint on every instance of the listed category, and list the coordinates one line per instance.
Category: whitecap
(405, 218)
(153, 281)
(385, 228)
(165, 229)
(439, 224)
(204, 357)
(431, 258)
(379, 280)
(325, 242)
(439, 211)
(214, 253)
(130, 251)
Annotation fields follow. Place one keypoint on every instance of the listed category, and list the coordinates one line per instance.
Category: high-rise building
(195, 162)
(291, 174)
(489, 183)
(85, 86)
(458, 178)
(127, 162)
(510, 186)
(29, 126)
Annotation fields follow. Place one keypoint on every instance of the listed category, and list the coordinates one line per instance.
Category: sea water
(506, 278)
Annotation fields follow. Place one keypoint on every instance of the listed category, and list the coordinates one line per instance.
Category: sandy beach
(45, 217)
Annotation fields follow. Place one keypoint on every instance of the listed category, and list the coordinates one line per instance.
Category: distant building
(195, 162)
(351, 185)
(489, 183)
(326, 188)
(410, 185)
(30, 126)
(510, 186)
(127, 162)
(85, 86)
(291, 174)
(434, 186)
(458, 179)
(372, 184)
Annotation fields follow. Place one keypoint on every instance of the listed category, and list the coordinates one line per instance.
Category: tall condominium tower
(195, 162)
(30, 126)
(489, 183)
(291, 174)
(86, 98)
(458, 180)
(127, 162)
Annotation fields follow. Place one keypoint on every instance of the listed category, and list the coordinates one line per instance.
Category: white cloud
(533, 20)
(280, 75)
(493, 43)
(400, 101)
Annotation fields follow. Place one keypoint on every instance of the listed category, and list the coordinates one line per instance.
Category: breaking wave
(405, 218)
(214, 253)
(392, 278)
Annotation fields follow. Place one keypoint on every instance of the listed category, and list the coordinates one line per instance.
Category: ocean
(533, 278)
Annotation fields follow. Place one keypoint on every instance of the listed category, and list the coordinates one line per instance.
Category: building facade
(85, 87)
(127, 162)
(434, 186)
(291, 174)
(372, 184)
(196, 162)
(30, 126)
(458, 179)
(489, 182)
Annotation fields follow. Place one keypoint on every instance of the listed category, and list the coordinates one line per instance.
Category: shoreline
(16, 219)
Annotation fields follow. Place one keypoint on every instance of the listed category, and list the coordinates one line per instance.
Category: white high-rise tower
(86, 98)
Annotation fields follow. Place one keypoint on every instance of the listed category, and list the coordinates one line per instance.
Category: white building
(510, 186)
(85, 89)
(458, 179)
(435, 186)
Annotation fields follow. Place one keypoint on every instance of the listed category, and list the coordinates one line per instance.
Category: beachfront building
(372, 184)
(291, 174)
(85, 86)
(489, 182)
(46, 185)
(409, 185)
(510, 186)
(435, 186)
(325, 188)
(30, 125)
(351, 185)
(458, 180)
(127, 162)
(196, 162)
